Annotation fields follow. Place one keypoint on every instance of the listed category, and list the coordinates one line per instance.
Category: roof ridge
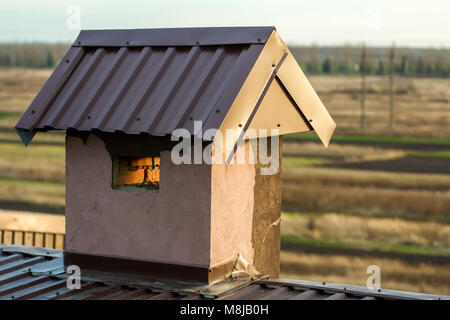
(201, 36)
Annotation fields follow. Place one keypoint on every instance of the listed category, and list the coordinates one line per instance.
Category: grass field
(381, 198)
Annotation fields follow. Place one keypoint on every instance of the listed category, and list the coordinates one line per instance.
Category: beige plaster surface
(201, 215)
(172, 225)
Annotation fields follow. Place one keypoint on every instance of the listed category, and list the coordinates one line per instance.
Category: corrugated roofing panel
(141, 89)
(21, 278)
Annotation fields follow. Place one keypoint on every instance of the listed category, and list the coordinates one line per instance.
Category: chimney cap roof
(157, 80)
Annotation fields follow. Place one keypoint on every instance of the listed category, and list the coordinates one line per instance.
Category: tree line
(349, 60)
(32, 55)
(313, 59)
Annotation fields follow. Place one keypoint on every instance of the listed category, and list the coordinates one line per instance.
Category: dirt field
(421, 109)
(366, 180)
(381, 198)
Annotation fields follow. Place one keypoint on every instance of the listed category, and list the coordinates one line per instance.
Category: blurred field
(422, 106)
(367, 180)
(381, 198)
(381, 234)
(346, 268)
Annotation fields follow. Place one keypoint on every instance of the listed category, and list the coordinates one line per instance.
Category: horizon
(411, 24)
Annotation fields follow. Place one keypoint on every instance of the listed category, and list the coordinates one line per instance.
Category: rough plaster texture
(202, 214)
(245, 215)
(266, 233)
(172, 225)
(232, 204)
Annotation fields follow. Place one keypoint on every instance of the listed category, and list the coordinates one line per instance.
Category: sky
(323, 22)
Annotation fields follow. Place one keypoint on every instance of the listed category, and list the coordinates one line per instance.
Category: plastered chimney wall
(246, 214)
(172, 225)
(232, 206)
(202, 215)
(266, 231)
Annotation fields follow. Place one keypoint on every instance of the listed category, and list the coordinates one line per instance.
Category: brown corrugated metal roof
(154, 81)
(143, 90)
(38, 273)
(146, 81)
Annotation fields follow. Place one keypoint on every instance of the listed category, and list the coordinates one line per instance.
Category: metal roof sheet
(154, 81)
(136, 90)
(37, 273)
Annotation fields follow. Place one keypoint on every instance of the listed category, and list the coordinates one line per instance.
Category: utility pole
(391, 87)
(363, 87)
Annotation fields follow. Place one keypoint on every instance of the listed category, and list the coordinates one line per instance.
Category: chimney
(200, 221)
(128, 99)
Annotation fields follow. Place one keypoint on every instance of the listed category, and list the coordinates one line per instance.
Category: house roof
(153, 81)
(39, 273)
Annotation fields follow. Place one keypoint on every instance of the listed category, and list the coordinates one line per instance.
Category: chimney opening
(131, 173)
